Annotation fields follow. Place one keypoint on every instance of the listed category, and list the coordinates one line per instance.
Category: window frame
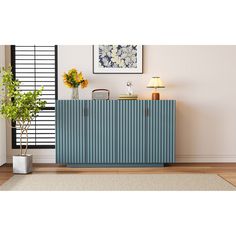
(13, 130)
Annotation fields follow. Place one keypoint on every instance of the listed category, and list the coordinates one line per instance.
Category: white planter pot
(22, 164)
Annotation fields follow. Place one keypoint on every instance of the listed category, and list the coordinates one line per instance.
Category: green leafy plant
(19, 107)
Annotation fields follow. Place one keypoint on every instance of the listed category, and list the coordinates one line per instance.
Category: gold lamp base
(155, 96)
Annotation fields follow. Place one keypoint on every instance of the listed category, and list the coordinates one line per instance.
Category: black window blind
(36, 66)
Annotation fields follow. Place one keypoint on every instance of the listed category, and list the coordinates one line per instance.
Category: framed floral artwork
(118, 59)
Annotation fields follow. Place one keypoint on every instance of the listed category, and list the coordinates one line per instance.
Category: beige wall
(201, 78)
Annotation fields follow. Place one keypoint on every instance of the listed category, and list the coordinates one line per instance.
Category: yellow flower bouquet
(74, 79)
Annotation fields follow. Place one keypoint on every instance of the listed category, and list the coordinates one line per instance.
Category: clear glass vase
(75, 93)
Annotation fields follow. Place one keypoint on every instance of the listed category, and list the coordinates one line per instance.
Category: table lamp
(155, 83)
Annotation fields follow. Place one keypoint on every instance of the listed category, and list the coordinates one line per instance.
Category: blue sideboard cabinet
(115, 133)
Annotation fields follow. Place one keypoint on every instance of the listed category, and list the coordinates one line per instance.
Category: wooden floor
(226, 170)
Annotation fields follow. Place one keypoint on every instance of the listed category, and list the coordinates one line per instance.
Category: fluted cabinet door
(160, 131)
(131, 132)
(101, 132)
(71, 132)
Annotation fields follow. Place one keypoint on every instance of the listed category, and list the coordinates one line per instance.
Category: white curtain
(2, 121)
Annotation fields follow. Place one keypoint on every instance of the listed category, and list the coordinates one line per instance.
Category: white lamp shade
(155, 82)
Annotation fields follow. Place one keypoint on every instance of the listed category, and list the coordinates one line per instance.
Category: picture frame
(117, 59)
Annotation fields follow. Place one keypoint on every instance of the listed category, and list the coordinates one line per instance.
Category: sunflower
(79, 77)
(84, 83)
(67, 84)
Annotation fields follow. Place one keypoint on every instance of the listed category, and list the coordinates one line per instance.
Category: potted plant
(73, 79)
(21, 108)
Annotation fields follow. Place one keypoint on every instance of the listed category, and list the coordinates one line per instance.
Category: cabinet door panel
(130, 132)
(160, 132)
(101, 132)
(70, 130)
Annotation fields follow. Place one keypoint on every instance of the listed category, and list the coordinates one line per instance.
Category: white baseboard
(205, 158)
(179, 159)
(2, 163)
(2, 160)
